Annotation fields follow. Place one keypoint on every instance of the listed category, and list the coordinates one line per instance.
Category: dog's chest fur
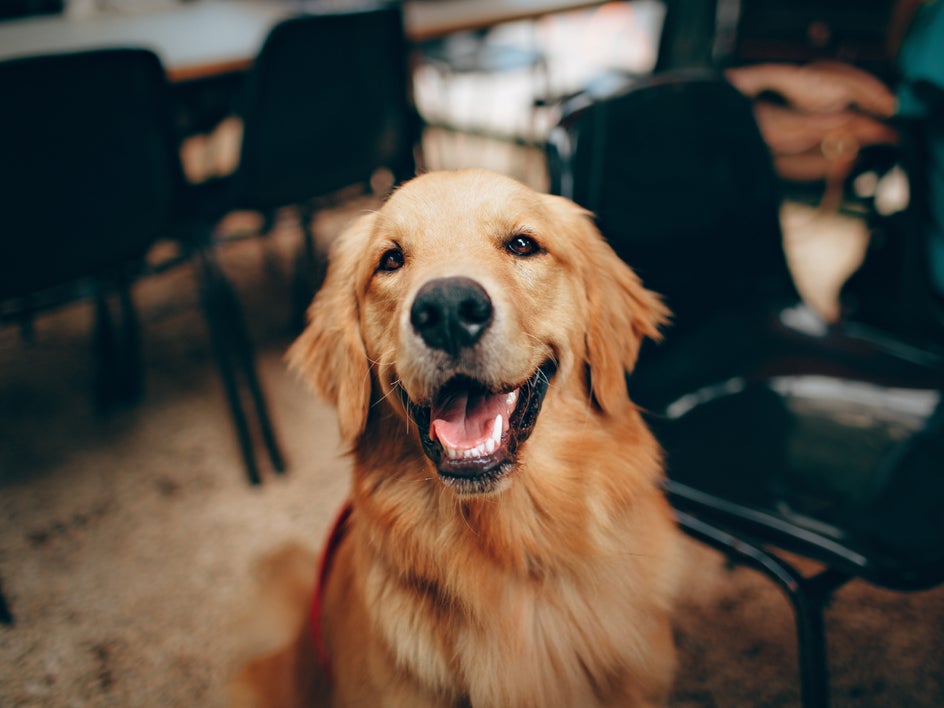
(566, 648)
(560, 598)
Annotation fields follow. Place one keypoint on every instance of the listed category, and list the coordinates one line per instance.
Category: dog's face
(463, 303)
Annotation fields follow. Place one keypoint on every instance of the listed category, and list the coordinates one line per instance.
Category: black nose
(451, 313)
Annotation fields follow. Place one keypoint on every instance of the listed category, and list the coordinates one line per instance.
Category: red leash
(338, 531)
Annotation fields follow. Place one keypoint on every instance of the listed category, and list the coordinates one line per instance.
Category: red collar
(338, 531)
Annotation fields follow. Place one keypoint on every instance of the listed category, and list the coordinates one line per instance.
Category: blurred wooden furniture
(208, 37)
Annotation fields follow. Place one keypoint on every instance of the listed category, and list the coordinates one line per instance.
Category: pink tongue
(466, 419)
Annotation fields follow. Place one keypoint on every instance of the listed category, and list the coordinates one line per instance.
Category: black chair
(90, 180)
(718, 34)
(892, 291)
(781, 432)
(326, 106)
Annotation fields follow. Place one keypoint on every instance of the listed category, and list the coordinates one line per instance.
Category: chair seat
(848, 470)
(782, 433)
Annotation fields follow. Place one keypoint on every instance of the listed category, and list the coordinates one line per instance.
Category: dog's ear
(621, 312)
(330, 353)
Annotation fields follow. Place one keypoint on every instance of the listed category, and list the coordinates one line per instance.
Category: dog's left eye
(522, 245)
(391, 260)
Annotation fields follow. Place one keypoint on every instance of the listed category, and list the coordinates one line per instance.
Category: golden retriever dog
(507, 543)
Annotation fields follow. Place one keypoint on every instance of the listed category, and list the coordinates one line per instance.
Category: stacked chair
(90, 181)
(326, 107)
(782, 432)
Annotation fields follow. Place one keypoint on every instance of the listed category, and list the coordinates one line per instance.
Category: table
(427, 19)
(210, 37)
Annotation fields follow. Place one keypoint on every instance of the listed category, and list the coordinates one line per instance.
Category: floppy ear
(330, 353)
(620, 311)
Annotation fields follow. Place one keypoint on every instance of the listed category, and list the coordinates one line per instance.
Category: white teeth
(496, 430)
(512, 397)
(482, 449)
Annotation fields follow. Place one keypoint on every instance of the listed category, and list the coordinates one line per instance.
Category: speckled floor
(127, 541)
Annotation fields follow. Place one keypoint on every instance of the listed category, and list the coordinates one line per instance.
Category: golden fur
(553, 585)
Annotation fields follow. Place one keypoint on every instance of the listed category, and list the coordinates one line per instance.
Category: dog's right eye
(391, 260)
(522, 245)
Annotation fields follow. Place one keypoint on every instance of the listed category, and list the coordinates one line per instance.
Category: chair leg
(811, 647)
(117, 360)
(808, 597)
(309, 269)
(215, 318)
(243, 349)
(6, 616)
(234, 354)
(131, 366)
(105, 357)
(270, 258)
(27, 328)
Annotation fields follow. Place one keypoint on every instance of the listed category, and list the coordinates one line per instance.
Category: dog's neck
(512, 530)
(512, 575)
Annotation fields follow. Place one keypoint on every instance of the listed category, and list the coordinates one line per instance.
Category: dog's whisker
(407, 419)
(383, 398)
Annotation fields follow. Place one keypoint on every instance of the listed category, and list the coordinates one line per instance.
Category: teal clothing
(921, 95)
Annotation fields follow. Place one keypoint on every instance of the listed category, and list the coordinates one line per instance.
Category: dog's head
(460, 304)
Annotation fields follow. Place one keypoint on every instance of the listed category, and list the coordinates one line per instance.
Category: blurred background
(172, 175)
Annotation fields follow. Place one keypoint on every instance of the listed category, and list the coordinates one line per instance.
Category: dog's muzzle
(471, 431)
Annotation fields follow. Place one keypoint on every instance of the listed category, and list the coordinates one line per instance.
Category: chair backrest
(89, 173)
(328, 103)
(682, 186)
(687, 39)
(721, 33)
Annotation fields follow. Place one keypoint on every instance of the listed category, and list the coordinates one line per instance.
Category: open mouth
(472, 433)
